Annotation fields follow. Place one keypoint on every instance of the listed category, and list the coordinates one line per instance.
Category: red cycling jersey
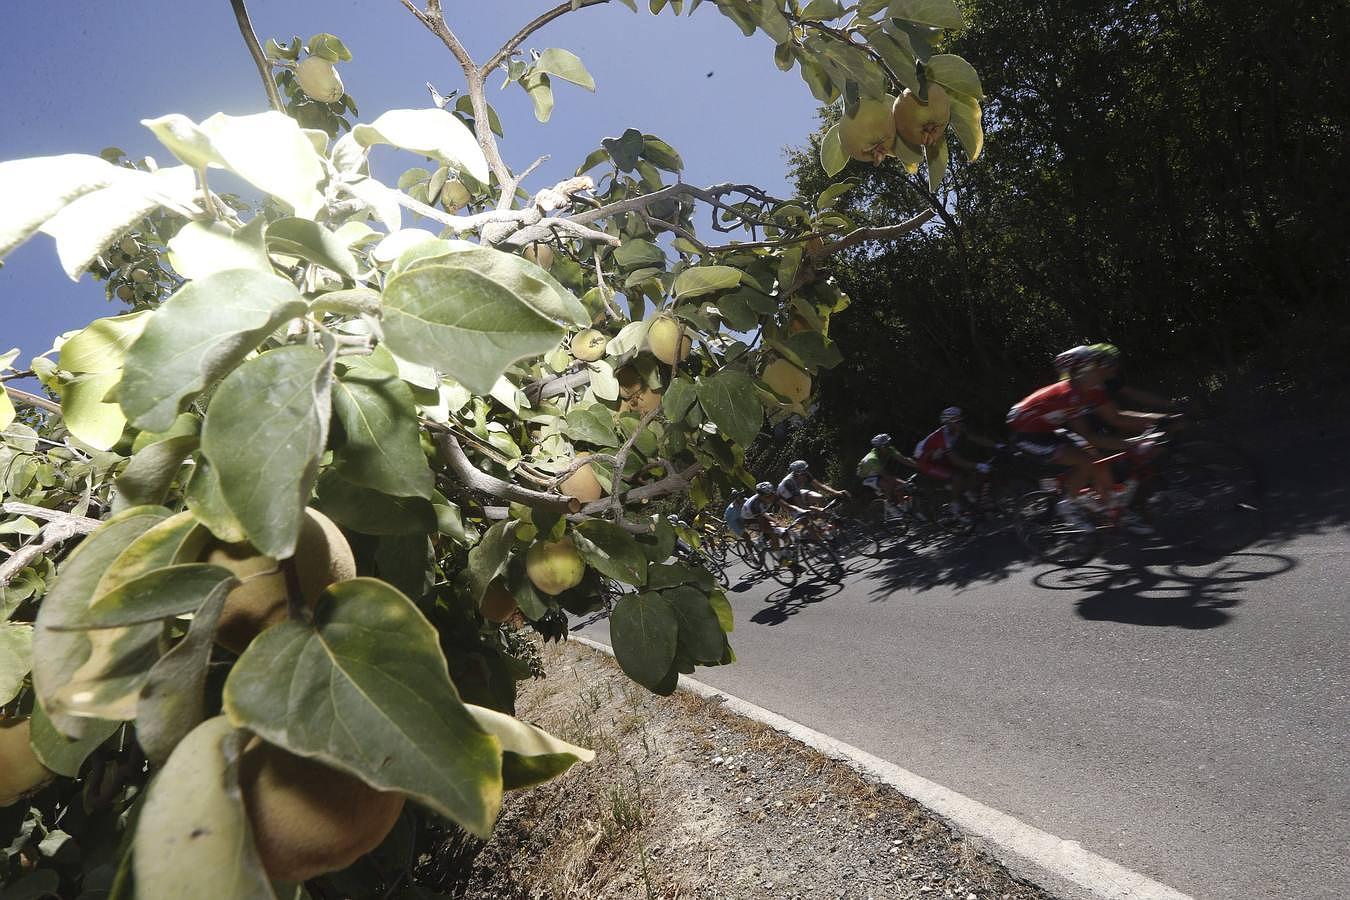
(1052, 407)
(931, 453)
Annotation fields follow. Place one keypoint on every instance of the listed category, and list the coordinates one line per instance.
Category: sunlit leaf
(643, 630)
(381, 449)
(432, 132)
(565, 65)
(730, 402)
(530, 755)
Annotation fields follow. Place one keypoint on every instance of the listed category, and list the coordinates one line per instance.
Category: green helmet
(1109, 352)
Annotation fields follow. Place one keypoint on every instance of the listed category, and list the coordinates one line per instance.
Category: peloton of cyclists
(755, 512)
(939, 457)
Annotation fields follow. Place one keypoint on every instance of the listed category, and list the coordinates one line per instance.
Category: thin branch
(259, 58)
(478, 480)
(671, 484)
(52, 534)
(540, 21)
(33, 400)
(621, 460)
(27, 373)
(879, 233)
(82, 524)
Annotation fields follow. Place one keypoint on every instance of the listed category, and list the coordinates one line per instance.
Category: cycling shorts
(873, 482)
(1041, 445)
(806, 498)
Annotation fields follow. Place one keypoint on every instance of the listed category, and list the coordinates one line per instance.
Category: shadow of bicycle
(786, 602)
(1184, 593)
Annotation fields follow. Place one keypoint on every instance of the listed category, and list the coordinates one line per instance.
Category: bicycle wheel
(822, 560)
(748, 554)
(1048, 537)
(714, 546)
(854, 538)
(782, 565)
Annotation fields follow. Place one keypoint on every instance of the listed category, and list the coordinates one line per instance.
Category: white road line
(1066, 860)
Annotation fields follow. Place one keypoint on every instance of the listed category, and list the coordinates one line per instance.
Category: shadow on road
(1183, 594)
(785, 603)
(952, 562)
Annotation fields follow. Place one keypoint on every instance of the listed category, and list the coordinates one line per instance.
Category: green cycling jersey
(878, 460)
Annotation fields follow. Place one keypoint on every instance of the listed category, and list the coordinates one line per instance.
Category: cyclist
(755, 511)
(1038, 422)
(800, 486)
(878, 471)
(732, 516)
(938, 456)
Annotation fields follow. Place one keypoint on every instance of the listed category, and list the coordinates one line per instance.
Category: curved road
(1191, 722)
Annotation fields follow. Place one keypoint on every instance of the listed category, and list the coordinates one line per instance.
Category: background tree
(332, 463)
(1170, 177)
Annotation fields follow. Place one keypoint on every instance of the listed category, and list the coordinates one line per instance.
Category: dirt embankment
(686, 800)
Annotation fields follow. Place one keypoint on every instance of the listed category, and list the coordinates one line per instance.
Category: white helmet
(881, 440)
(951, 414)
(798, 466)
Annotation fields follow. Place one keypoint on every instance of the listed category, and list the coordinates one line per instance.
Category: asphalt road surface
(1189, 721)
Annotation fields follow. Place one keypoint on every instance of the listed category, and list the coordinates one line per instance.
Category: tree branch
(82, 524)
(52, 534)
(33, 400)
(259, 58)
(478, 480)
(540, 21)
(879, 233)
(671, 484)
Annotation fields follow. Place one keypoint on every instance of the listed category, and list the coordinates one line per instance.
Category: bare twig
(259, 58)
(478, 480)
(82, 524)
(33, 400)
(671, 484)
(28, 373)
(538, 22)
(51, 534)
(879, 233)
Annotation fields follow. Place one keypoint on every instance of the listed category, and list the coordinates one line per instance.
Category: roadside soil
(687, 800)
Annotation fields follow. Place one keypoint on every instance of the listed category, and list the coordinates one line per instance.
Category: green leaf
(644, 630)
(37, 189)
(540, 89)
(365, 688)
(151, 472)
(951, 71)
(937, 13)
(702, 280)
(58, 753)
(966, 123)
(173, 698)
(90, 223)
(7, 412)
(382, 449)
(16, 658)
(199, 334)
(565, 65)
(59, 655)
(204, 498)
(898, 53)
(89, 418)
(313, 242)
(832, 155)
(700, 634)
(625, 149)
(270, 151)
(593, 424)
(173, 590)
(612, 551)
(789, 262)
(937, 155)
(102, 345)
(328, 46)
(432, 132)
(636, 253)
(200, 249)
(679, 396)
(731, 403)
(472, 314)
(264, 432)
(192, 836)
(722, 609)
(831, 194)
(530, 755)
(822, 11)
(488, 557)
(661, 154)
(371, 512)
(771, 19)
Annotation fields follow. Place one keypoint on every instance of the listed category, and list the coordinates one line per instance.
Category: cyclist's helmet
(881, 440)
(798, 466)
(950, 415)
(1075, 359)
(764, 487)
(673, 519)
(1110, 353)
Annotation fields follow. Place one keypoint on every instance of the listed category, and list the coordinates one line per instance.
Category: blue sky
(80, 75)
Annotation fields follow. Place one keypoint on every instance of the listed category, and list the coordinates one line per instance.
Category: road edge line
(1064, 859)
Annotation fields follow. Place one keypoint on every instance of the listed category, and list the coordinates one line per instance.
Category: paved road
(1190, 722)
